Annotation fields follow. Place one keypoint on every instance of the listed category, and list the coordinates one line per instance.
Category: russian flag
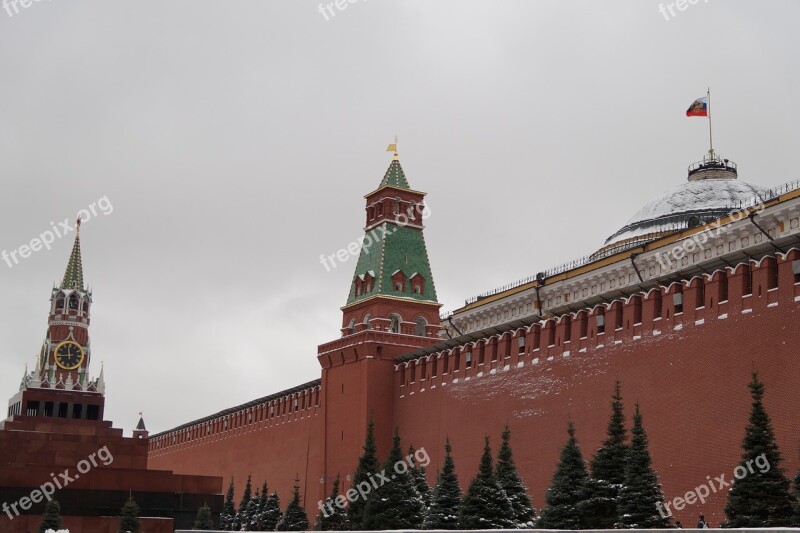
(699, 108)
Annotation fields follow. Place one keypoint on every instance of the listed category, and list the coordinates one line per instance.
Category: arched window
(394, 323)
(351, 327)
(420, 325)
(73, 302)
(60, 302)
(366, 323)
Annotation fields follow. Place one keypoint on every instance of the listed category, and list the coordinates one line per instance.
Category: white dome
(706, 199)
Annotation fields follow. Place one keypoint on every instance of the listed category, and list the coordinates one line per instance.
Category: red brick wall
(691, 381)
(275, 449)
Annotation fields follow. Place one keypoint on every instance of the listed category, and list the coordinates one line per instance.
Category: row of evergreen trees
(496, 498)
(262, 511)
(619, 489)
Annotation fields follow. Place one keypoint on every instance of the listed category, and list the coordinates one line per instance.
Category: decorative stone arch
(395, 323)
(420, 326)
(61, 302)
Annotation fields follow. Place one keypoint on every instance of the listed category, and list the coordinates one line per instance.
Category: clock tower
(60, 386)
(66, 353)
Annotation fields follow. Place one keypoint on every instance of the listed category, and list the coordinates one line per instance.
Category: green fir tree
(51, 518)
(204, 519)
(395, 504)
(228, 515)
(509, 479)
(295, 517)
(446, 497)
(272, 513)
(129, 517)
(486, 505)
(760, 496)
(240, 518)
(640, 498)
(333, 517)
(367, 465)
(569, 490)
(420, 480)
(255, 519)
(250, 519)
(608, 469)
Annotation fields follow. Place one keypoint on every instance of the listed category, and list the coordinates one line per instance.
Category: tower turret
(392, 288)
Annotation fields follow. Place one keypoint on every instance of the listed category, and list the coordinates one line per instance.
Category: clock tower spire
(60, 386)
(64, 359)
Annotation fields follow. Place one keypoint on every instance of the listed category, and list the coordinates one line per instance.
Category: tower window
(73, 302)
(417, 284)
(367, 318)
(351, 326)
(394, 323)
(420, 326)
(60, 302)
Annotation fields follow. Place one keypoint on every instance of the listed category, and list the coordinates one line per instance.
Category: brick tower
(60, 386)
(391, 309)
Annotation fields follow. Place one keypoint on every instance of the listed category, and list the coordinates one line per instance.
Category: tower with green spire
(392, 288)
(391, 309)
(60, 386)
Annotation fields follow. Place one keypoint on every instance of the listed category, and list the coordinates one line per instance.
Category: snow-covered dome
(713, 191)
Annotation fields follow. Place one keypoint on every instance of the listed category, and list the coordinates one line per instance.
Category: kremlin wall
(698, 290)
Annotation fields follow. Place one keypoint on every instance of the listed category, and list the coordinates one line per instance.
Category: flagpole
(710, 139)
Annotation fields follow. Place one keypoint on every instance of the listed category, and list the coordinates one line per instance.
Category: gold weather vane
(393, 148)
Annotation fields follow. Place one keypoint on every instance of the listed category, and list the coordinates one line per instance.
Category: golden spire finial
(393, 148)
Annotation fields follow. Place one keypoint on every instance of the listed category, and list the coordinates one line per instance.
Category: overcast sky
(235, 140)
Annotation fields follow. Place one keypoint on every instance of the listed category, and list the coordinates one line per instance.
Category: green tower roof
(390, 248)
(395, 177)
(73, 277)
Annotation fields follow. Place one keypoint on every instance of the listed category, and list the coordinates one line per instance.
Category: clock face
(69, 355)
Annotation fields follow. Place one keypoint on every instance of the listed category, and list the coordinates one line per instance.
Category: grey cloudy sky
(235, 140)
